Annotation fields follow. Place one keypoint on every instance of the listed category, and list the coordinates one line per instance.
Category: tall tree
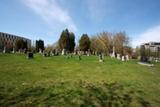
(119, 41)
(71, 41)
(67, 40)
(102, 42)
(84, 43)
(39, 45)
(64, 40)
(21, 44)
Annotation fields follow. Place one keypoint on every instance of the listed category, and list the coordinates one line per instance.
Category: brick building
(8, 41)
(152, 46)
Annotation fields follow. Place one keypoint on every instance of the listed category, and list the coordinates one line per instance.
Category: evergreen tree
(72, 42)
(21, 44)
(84, 43)
(39, 45)
(67, 41)
(64, 39)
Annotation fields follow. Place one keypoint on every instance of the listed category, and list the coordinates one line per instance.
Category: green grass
(57, 81)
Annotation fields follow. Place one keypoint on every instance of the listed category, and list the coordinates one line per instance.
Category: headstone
(100, 58)
(13, 51)
(19, 51)
(88, 52)
(53, 52)
(123, 59)
(157, 60)
(79, 53)
(4, 50)
(49, 54)
(74, 53)
(139, 57)
(30, 55)
(118, 56)
(40, 50)
(113, 53)
(151, 59)
(45, 54)
(63, 52)
(127, 57)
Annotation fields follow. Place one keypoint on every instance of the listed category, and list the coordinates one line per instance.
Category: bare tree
(101, 42)
(120, 40)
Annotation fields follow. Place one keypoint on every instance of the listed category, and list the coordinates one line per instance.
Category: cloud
(99, 9)
(52, 12)
(150, 35)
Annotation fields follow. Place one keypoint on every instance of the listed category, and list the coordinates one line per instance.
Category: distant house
(8, 41)
(152, 46)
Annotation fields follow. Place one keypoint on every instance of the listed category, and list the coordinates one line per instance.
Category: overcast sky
(45, 19)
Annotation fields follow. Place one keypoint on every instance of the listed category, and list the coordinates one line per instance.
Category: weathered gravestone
(118, 56)
(13, 51)
(45, 54)
(4, 50)
(48, 54)
(53, 52)
(113, 53)
(29, 55)
(88, 52)
(64, 52)
(127, 58)
(40, 50)
(101, 58)
(123, 58)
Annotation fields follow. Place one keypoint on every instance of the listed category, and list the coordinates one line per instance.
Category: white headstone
(88, 53)
(4, 50)
(113, 53)
(101, 58)
(40, 51)
(123, 58)
(19, 51)
(139, 57)
(127, 57)
(13, 50)
(118, 56)
(56, 52)
(79, 52)
(63, 52)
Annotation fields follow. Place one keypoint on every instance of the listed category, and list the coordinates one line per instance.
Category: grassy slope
(19, 76)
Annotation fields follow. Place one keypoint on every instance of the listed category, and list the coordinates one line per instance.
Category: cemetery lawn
(60, 82)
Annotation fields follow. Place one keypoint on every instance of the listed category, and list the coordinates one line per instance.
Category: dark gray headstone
(29, 55)
(45, 54)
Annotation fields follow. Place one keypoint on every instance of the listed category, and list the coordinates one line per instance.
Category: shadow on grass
(80, 94)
